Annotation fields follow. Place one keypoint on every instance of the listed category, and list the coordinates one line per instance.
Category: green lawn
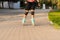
(55, 18)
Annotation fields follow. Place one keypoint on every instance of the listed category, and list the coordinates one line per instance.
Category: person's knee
(26, 12)
(32, 13)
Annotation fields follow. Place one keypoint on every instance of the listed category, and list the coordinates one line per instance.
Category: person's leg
(25, 15)
(32, 13)
(32, 17)
(26, 12)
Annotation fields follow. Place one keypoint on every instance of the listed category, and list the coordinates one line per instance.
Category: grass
(55, 18)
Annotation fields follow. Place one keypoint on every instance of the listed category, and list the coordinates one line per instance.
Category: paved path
(11, 28)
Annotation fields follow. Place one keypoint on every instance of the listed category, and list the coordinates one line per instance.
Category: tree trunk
(8, 4)
(58, 4)
(2, 5)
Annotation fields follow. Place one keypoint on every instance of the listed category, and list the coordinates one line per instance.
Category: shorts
(30, 6)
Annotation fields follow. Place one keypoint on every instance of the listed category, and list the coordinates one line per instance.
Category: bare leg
(26, 12)
(25, 15)
(32, 15)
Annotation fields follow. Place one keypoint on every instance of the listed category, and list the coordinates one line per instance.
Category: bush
(55, 17)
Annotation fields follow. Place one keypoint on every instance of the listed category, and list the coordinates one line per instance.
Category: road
(11, 27)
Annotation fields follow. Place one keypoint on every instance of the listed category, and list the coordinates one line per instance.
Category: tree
(2, 3)
(58, 4)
